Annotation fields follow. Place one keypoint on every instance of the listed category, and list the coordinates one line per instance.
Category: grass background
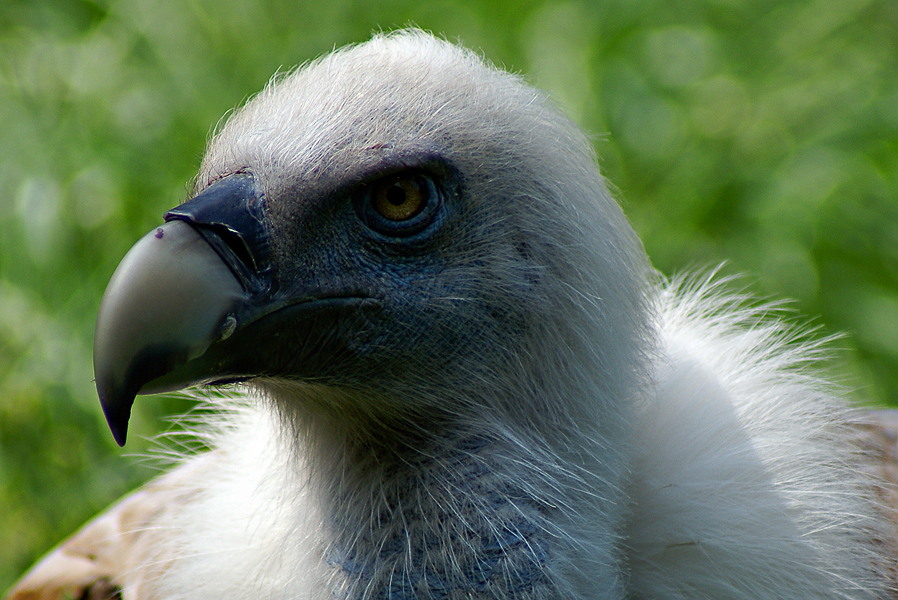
(761, 132)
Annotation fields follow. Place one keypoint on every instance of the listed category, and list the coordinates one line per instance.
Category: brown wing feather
(883, 425)
(880, 439)
(107, 557)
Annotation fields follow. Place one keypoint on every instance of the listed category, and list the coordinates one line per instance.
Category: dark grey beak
(167, 301)
(183, 287)
(199, 301)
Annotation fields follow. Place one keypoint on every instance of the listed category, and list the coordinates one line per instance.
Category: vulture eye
(400, 205)
(399, 198)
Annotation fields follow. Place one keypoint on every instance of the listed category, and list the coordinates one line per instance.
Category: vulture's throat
(449, 522)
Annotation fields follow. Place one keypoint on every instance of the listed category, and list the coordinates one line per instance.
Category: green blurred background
(764, 133)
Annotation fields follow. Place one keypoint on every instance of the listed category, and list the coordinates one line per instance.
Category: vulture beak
(197, 301)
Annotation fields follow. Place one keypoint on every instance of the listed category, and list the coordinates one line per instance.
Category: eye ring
(401, 204)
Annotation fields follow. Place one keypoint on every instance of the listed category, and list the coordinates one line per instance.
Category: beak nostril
(236, 244)
(229, 216)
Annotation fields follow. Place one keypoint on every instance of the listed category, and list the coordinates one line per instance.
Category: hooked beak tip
(163, 307)
(117, 416)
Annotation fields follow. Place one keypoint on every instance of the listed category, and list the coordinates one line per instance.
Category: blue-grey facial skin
(418, 279)
(349, 292)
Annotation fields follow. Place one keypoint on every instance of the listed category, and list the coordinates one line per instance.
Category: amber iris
(400, 198)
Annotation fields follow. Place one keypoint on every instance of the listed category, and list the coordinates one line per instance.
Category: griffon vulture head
(457, 375)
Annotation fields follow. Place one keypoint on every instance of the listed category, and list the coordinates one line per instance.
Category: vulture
(435, 363)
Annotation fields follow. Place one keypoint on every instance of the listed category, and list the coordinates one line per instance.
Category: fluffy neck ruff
(456, 512)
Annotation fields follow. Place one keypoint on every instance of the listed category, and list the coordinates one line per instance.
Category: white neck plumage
(455, 510)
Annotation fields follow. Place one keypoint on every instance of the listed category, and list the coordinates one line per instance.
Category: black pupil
(396, 195)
